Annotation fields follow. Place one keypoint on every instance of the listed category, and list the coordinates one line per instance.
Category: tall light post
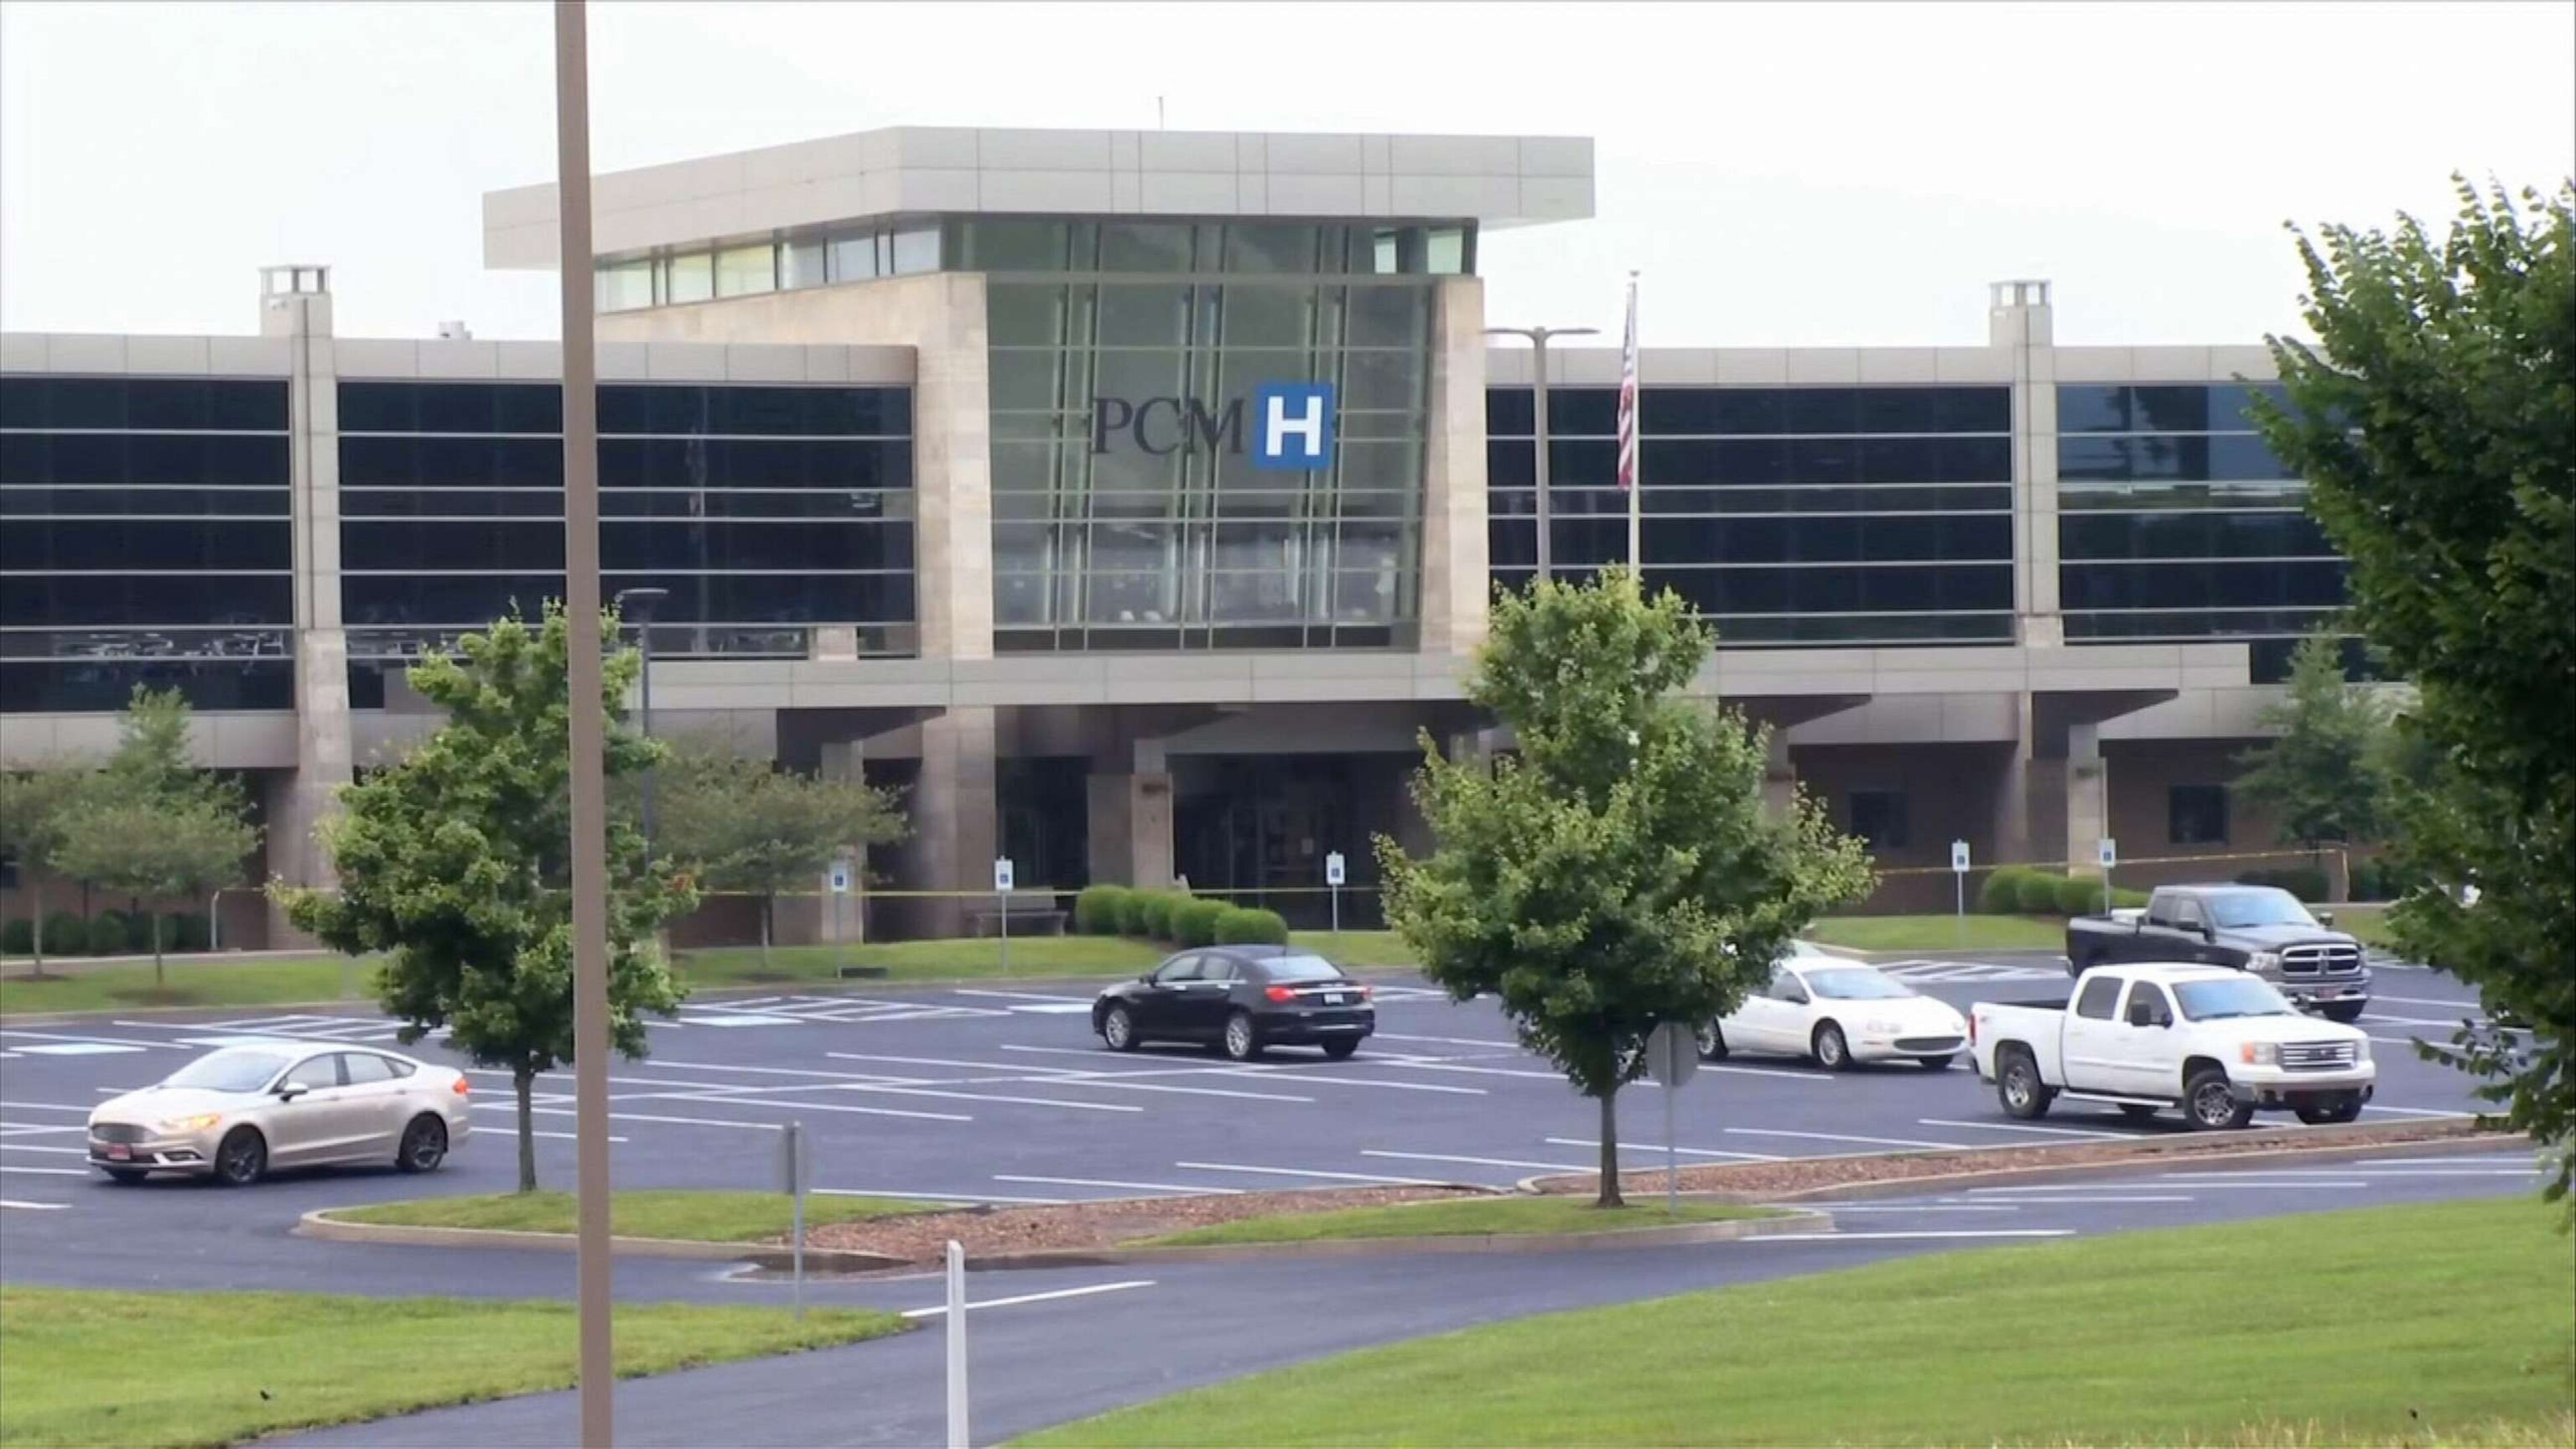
(637, 605)
(594, 1271)
(1538, 338)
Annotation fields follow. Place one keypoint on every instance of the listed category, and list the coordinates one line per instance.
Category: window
(746, 271)
(315, 1073)
(2196, 814)
(2187, 916)
(1178, 970)
(1300, 969)
(1785, 986)
(366, 1068)
(690, 278)
(625, 286)
(2101, 994)
(1878, 818)
(2148, 1006)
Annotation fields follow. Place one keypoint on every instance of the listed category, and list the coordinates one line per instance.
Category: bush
(65, 934)
(18, 938)
(1131, 912)
(2307, 882)
(2036, 893)
(186, 931)
(1098, 910)
(1240, 927)
(2368, 883)
(2000, 894)
(1194, 921)
(107, 934)
(2079, 895)
(1154, 916)
(2125, 899)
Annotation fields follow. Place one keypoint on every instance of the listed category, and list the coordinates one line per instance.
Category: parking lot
(999, 1093)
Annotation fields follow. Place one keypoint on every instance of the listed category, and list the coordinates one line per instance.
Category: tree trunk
(767, 903)
(160, 978)
(523, 1082)
(1610, 1197)
(36, 895)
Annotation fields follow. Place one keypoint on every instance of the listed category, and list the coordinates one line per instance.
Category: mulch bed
(995, 1232)
(1765, 1180)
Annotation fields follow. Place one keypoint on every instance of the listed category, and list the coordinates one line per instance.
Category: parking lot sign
(1002, 873)
(1672, 1058)
(840, 877)
(1959, 856)
(2110, 852)
(1333, 869)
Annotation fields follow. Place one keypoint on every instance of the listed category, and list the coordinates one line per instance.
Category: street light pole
(1538, 337)
(639, 605)
(589, 727)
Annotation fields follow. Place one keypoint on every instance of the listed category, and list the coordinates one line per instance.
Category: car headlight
(2263, 961)
(2259, 1053)
(198, 1123)
(2361, 1050)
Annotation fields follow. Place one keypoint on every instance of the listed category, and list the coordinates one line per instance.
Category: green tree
(2321, 772)
(456, 863)
(36, 804)
(184, 845)
(1620, 871)
(2435, 421)
(745, 826)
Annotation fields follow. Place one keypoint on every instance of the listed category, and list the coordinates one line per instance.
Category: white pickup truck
(2210, 1040)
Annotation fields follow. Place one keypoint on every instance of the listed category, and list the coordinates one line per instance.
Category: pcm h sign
(1291, 425)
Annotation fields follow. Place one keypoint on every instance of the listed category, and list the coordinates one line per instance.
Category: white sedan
(1838, 1012)
(235, 1113)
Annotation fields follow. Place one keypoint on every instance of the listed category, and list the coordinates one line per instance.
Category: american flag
(1628, 395)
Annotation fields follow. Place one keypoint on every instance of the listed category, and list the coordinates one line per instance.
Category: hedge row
(1174, 916)
(2021, 890)
(2307, 882)
(111, 933)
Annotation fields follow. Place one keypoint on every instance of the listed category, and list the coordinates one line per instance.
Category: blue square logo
(1292, 426)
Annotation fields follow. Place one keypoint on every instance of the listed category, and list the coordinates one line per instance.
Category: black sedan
(1239, 1000)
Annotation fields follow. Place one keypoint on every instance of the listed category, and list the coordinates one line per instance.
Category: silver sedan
(237, 1112)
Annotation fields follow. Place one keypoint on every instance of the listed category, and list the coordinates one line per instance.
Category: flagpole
(1634, 440)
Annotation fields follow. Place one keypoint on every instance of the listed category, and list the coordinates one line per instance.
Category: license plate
(1333, 998)
(120, 1153)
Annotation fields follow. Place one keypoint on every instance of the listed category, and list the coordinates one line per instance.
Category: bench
(1030, 913)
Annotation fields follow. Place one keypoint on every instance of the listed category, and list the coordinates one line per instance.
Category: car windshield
(2259, 908)
(229, 1071)
(1854, 983)
(2217, 1000)
(1292, 969)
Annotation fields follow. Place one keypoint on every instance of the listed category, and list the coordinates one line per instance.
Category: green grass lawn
(2366, 924)
(191, 983)
(1940, 933)
(2318, 1328)
(1034, 957)
(714, 1217)
(218, 1368)
(1460, 1217)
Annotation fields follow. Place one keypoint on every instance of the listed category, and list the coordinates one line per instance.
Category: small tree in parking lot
(186, 847)
(456, 863)
(746, 826)
(1621, 871)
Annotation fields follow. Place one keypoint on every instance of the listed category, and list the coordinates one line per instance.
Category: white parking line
(1841, 1137)
(1103, 1182)
(85, 1040)
(1428, 1064)
(1310, 1172)
(938, 1310)
(923, 1062)
(1021, 996)
(2463, 1160)
(43, 1107)
(32, 1147)
(46, 1171)
(30, 1129)
(640, 1117)
(1110, 1079)
(2019, 1127)
(2089, 1190)
(1447, 1040)
(782, 1104)
(2112, 1199)
(33, 1207)
(955, 1197)
(1683, 1151)
(986, 1097)
(1838, 1209)
(1927, 1234)
(2471, 1007)
(2414, 1111)
(1318, 1078)
(564, 1136)
(1477, 1161)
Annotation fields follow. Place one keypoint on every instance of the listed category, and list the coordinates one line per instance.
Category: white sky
(1803, 175)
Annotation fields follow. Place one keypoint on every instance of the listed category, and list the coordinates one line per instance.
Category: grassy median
(707, 1217)
(2445, 1323)
(201, 981)
(216, 1368)
(1457, 1218)
(1939, 933)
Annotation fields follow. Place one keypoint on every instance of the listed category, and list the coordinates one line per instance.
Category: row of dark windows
(1756, 541)
(1754, 411)
(1895, 589)
(2177, 457)
(247, 405)
(146, 460)
(451, 545)
(1657, 502)
(720, 410)
(820, 504)
(2287, 622)
(99, 686)
(130, 600)
(2211, 535)
(227, 543)
(2098, 585)
(466, 601)
(1753, 462)
(459, 462)
(1167, 638)
(42, 502)
(2224, 407)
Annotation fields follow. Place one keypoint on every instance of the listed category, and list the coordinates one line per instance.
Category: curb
(1895, 1187)
(321, 1225)
(1797, 1220)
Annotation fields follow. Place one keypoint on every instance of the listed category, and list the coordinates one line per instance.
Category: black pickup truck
(2258, 929)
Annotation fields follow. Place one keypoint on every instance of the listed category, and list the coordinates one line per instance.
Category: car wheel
(242, 1159)
(1118, 1030)
(2137, 1111)
(2018, 1087)
(125, 1176)
(2345, 1110)
(2346, 1012)
(1712, 1043)
(1940, 1063)
(424, 1144)
(1340, 1051)
(1241, 1042)
(1831, 1051)
(2210, 1105)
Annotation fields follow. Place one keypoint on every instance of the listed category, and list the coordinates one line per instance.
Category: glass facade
(2176, 523)
(1805, 516)
(765, 511)
(1133, 505)
(145, 538)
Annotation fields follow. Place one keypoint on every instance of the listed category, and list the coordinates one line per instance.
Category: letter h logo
(1293, 425)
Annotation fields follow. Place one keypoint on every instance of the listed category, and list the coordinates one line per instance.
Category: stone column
(842, 917)
(1130, 819)
(1779, 777)
(2021, 318)
(1455, 580)
(295, 304)
(2088, 799)
(954, 813)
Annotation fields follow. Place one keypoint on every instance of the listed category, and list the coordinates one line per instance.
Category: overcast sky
(1803, 175)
